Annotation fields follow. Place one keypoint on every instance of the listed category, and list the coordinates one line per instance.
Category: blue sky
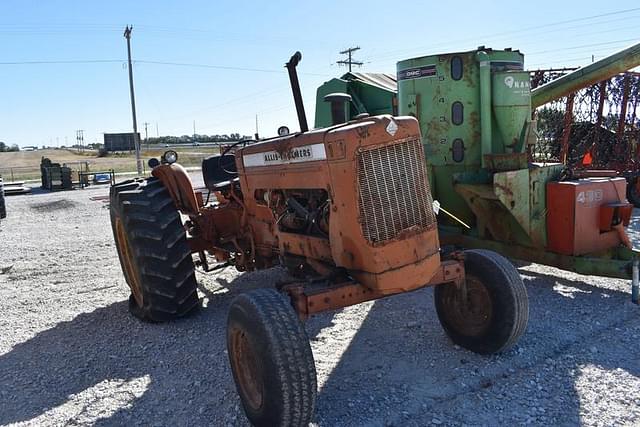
(45, 103)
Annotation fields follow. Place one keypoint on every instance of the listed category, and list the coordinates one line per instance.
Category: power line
(390, 53)
(568, 21)
(153, 62)
(562, 57)
(583, 46)
(250, 97)
(221, 67)
(218, 67)
(69, 61)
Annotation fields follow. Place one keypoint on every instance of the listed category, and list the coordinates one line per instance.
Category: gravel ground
(70, 354)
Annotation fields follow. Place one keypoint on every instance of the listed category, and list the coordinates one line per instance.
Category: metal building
(373, 93)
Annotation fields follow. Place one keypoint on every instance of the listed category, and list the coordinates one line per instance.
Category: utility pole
(350, 61)
(136, 140)
(80, 139)
(194, 132)
(257, 136)
(157, 131)
(146, 134)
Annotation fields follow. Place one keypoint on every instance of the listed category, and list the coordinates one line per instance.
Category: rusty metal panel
(614, 213)
(506, 161)
(539, 176)
(573, 219)
(307, 246)
(512, 190)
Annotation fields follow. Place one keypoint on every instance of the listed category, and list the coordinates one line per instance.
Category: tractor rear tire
(271, 360)
(496, 310)
(3, 207)
(152, 247)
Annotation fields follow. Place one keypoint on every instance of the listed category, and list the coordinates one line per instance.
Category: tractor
(347, 209)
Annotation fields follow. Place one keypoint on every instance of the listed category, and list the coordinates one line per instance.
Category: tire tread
(158, 241)
(508, 287)
(290, 350)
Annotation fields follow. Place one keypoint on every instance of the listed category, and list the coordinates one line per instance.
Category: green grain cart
(475, 113)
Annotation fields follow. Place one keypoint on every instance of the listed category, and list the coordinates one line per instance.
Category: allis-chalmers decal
(306, 153)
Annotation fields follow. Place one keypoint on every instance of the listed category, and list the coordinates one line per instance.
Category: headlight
(283, 131)
(170, 156)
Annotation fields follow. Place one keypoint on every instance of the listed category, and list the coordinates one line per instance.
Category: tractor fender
(176, 180)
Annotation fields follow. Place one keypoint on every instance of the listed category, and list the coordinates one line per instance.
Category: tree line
(190, 139)
(6, 147)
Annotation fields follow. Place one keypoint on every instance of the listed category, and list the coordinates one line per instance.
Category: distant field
(25, 165)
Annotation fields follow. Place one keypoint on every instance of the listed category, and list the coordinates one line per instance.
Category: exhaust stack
(339, 107)
(295, 87)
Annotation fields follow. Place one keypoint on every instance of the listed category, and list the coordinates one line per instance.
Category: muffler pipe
(295, 87)
(339, 107)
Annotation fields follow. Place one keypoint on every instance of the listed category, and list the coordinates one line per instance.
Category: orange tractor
(346, 209)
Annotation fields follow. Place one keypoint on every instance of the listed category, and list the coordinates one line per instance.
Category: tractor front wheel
(153, 250)
(491, 314)
(271, 360)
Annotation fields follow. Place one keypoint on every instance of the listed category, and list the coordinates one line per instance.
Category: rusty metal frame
(566, 130)
(312, 299)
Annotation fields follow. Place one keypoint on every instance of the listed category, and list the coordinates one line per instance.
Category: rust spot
(362, 131)
(506, 190)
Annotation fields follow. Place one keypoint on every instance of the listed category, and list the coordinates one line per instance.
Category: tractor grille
(394, 192)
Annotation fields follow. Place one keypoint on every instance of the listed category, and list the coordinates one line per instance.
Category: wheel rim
(470, 316)
(247, 369)
(130, 271)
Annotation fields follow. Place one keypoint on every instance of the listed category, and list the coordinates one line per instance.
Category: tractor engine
(303, 211)
(353, 198)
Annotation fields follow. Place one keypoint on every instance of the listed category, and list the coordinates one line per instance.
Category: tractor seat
(219, 171)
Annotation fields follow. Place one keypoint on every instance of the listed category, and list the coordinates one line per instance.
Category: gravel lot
(70, 354)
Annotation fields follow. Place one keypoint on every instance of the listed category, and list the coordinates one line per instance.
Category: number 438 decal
(589, 196)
